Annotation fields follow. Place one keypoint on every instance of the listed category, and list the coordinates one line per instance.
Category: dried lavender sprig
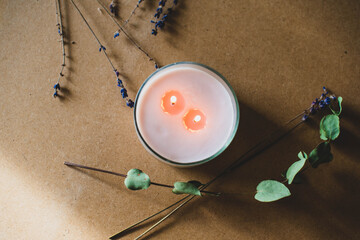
(61, 33)
(123, 90)
(156, 17)
(112, 8)
(320, 103)
(158, 21)
(243, 159)
(132, 12)
(121, 29)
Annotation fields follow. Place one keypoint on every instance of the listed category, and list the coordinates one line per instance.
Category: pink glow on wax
(194, 120)
(172, 102)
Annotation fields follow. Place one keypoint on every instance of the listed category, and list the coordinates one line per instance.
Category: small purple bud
(120, 83)
(305, 117)
(327, 100)
(57, 86)
(312, 110)
(129, 103)
(123, 93)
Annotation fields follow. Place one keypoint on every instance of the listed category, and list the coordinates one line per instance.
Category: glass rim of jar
(195, 163)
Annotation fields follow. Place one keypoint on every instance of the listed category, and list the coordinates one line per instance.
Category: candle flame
(197, 118)
(173, 100)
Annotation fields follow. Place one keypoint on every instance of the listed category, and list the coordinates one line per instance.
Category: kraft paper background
(277, 55)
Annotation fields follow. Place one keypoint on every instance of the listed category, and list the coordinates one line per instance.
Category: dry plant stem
(145, 219)
(164, 218)
(131, 14)
(102, 48)
(93, 169)
(234, 165)
(124, 175)
(121, 28)
(59, 23)
(86, 22)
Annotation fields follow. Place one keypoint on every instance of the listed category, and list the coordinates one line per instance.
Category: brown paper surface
(277, 55)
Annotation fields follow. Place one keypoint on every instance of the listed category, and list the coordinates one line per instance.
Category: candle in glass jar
(186, 114)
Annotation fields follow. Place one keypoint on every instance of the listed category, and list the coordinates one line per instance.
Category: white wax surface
(201, 89)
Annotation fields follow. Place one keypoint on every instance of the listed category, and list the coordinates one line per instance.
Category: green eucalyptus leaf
(340, 99)
(197, 184)
(137, 180)
(271, 190)
(329, 127)
(297, 179)
(296, 167)
(321, 154)
(302, 155)
(186, 188)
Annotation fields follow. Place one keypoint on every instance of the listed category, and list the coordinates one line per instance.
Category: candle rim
(229, 140)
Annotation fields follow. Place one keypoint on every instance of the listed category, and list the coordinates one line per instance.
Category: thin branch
(97, 39)
(132, 12)
(121, 28)
(61, 33)
(164, 218)
(124, 175)
(93, 169)
(129, 102)
(145, 219)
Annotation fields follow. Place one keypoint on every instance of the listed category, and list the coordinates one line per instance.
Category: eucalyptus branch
(121, 29)
(61, 33)
(124, 175)
(123, 90)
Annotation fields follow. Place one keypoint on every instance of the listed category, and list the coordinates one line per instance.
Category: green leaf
(297, 179)
(186, 188)
(296, 167)
(197, 184)
(137, 180)
(302, 155)
(271, 190)
(329, 127)
(337, 113)
(321, 154)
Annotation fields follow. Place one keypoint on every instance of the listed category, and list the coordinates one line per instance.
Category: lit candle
(186, 114)
(172, 102)
(194, 120)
